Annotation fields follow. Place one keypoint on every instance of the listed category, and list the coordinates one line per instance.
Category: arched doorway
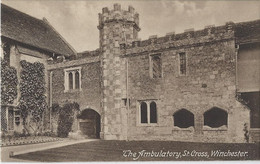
(89, 123)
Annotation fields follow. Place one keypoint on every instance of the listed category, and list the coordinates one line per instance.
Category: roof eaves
(63, 39)
(35, 46)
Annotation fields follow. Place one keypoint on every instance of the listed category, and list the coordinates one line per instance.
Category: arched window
(153, 112)
(156, 66)
(70, 80)
(215, 117)
(77, 80)
(144, 113)
(183, 118)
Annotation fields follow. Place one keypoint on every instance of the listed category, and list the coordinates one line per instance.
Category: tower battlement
(117, 15)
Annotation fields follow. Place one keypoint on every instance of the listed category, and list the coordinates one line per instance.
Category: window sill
(222, 128)
(148, 124)
(176, 128)
(72, 91)
(254, 129)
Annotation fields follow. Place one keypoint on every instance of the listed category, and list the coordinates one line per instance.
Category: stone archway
(89, 123)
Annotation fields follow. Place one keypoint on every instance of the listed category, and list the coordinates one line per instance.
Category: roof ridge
(18, 11)
(62, 38)
(51, 41)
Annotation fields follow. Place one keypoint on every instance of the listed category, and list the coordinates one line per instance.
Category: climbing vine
(66, 118)
(32, 87)
(9, 83)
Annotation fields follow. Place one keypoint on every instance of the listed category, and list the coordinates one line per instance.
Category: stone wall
(210, 82)
(90, 94)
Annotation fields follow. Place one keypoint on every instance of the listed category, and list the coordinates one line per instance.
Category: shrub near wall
(66, 118)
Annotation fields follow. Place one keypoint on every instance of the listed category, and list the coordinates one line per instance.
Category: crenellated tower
(116, 26)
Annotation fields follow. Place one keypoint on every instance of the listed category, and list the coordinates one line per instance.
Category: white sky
(77, 20)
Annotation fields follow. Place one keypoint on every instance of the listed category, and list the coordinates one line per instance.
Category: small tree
(32, 87)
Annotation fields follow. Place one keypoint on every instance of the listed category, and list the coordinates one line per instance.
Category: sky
(77, 20)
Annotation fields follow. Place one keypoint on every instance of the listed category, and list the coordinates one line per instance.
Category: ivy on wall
(9, 82)
(66, 118)
(32, 87)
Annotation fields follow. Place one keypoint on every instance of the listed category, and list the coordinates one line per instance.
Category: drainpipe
(237, 48)
(50, 95)
(127, 99)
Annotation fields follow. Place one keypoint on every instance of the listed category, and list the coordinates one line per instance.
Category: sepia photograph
(130, 80)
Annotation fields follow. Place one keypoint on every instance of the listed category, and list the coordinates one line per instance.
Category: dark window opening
(183, 118)
(144, 113)
(252, 101)
(3, 119)
(70, 80)
(10, 119)
(77, 80)
(17, 117)
(215, 117)
(153, 113)
(182, 63)
(156, 66)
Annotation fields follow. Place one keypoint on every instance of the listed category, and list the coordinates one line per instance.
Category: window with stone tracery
(148, 112)
(72, 79)
(183, 64)
(156, 66)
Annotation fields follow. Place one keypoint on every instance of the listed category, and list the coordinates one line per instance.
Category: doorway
(89, 123)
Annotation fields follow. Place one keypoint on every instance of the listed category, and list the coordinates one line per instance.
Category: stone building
(185, 87)
(200, 86)
(26, 38)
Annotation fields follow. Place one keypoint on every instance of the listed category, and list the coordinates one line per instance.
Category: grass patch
(146, 151)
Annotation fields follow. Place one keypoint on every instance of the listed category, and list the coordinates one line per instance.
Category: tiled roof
(247, 32)
(38, 33)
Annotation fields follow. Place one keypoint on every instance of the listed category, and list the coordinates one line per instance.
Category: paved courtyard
(23, 149)
(100, 150)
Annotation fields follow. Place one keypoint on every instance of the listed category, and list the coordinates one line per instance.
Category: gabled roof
(38, 33)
